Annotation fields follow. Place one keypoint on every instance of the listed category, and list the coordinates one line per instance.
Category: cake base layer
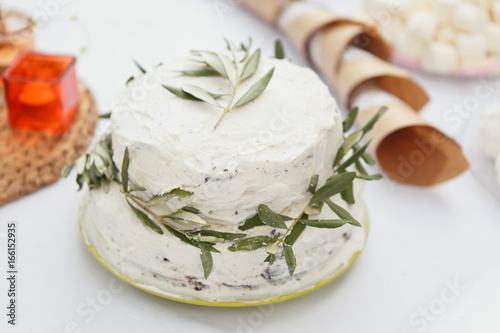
(166, 267)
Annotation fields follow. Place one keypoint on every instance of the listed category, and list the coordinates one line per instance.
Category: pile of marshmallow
(447, 37)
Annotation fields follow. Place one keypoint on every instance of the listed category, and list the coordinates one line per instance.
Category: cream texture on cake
(262, 153)
(164, 265)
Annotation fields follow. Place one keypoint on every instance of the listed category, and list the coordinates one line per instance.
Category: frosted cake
(226, 179)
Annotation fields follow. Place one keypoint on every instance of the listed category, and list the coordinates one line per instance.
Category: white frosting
(263, 152)
(441, 58)
(164, 265)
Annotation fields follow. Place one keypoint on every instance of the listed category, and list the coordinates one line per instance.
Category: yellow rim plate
(233, 304)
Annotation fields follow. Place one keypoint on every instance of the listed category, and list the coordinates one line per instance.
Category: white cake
(264, 152)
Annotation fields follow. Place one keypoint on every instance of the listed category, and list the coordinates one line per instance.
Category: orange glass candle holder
(16, 35)
(42, 93)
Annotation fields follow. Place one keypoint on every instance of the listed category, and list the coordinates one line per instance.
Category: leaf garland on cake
(347, 166)
(95, 168)
(198, 237)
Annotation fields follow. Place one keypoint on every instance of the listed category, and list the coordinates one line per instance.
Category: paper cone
(410, 150)
(268, 10)
(402, 137)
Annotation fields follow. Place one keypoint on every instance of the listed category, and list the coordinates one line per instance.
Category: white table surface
(422, 239)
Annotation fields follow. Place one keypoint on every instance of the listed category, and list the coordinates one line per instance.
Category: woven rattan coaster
(29, 161)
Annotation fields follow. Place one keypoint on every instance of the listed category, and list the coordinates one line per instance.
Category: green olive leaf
(313, 183)
(346, 146)
(334, 185)
(342, 213)
(175, 193)
(227, 236)
(130, 79)
(229, 68)
(105, 115)
(200, 93)
(348, 194)
(187, 216)
(279, 53)
(369, 125)
(125, 164)
(251, 66)
(146, 220)
(252, 243)
(252, 222)
(350, 119)
(354, 157)
(291, 262)
(179, 235)
(376, 176)
(270, 259)
(368, 158)
(139, 66)
(212, 60)
(254, 91)
(206, 260)
(328, 224)
(296, 231)
(67, 169)
(180, 93)
(207, 71)
(191, 209)
(271, 218)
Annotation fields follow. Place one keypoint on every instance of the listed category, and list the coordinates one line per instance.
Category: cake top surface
(290, 112)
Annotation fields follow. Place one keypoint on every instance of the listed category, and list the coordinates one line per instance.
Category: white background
(422, 239)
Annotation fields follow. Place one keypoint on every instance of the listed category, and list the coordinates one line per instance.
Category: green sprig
(219, 64)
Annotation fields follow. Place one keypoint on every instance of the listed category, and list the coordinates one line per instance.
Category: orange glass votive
(42, 93)
(16, 35)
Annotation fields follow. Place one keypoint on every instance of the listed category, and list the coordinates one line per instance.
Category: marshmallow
(495, 8)
(440, 58)
(472, 46)
(469, 17)
(493, 38)
(409, 47)
(390, 31)
(421, 25)
(443, 8)
(447, 34)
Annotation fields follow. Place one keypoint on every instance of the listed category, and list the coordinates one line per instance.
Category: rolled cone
(352, 56)
(408, 148)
